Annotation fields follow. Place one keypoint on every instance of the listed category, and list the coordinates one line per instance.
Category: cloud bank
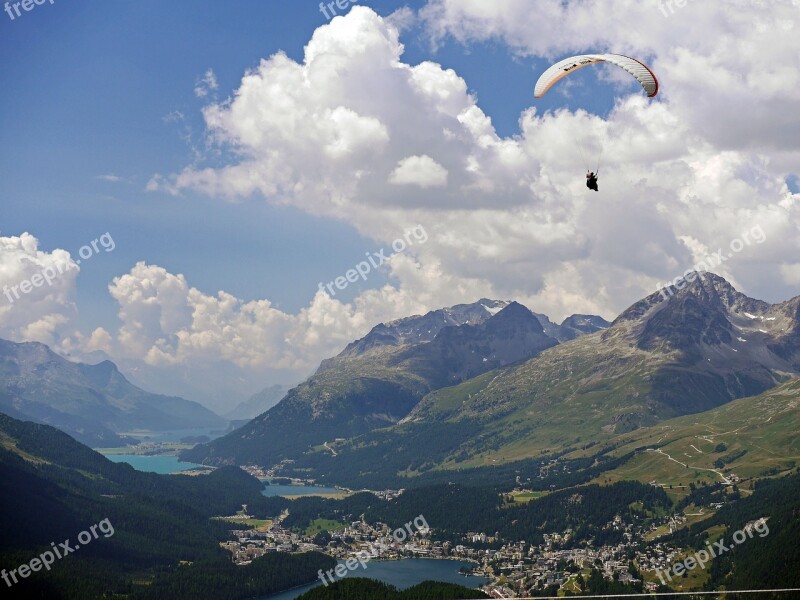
(355, 133)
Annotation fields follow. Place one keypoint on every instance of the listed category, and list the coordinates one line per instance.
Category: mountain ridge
(675, 336)
(697, 350)
(376, 380)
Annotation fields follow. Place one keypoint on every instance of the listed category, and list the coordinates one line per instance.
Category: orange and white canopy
(561, 69)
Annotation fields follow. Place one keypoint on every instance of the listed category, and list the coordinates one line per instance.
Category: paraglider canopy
(561, 69)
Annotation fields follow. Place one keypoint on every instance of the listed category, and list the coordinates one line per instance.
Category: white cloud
(510, 216)
(729, 70)
(402, 19)
(506, 217)
(42, 312)
(175, 116)
(421, 171)
(206, 85)
(99, 341)
(169, 323)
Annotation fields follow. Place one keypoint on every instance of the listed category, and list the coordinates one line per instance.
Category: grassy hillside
(579, 393)
(749, 437)
(565, 421)
(368, 388)
(54, 488)
(584, 390)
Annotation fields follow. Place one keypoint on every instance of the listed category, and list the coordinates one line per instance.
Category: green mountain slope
(750, 437)
(705, 346)
(376, 381)
(53, 488)
(657, 361)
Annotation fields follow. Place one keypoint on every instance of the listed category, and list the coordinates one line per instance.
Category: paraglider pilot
(591, 181)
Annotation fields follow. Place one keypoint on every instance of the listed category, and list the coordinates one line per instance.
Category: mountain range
(93, 403)
(497, 389)
(377, 380)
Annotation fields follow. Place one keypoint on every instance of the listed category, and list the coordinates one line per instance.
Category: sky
(230, 161)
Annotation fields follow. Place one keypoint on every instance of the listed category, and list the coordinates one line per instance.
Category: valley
(593, 460)
(589, 403)
(400, 300)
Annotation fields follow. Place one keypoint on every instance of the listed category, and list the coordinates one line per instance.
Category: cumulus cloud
(98, 341)
(169, 323)
(36, 302)
(730, 71)
(353, 132)
(510, 216)
(421, 171)
(329, 132)
(402, 19)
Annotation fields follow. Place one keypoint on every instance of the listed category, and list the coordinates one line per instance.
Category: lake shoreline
(164, 464)
(293, 490)
(396, 572)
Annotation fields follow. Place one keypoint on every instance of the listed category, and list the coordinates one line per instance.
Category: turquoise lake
(152, 464)
(297, 490)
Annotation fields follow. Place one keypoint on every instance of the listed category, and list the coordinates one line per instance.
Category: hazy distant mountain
(93, 403)
(579, 325)
(375, 381)
(258, 403)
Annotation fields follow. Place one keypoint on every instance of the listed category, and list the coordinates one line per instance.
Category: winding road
(725, 480)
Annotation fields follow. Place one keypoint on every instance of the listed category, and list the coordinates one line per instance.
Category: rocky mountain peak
(514, 313)
(706, 312)
(421, 328)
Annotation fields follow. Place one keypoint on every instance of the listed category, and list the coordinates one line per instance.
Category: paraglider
(561, 69)
(591, 181)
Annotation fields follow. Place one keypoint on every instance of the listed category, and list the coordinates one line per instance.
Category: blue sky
(98, 89)
(92, 84)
